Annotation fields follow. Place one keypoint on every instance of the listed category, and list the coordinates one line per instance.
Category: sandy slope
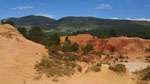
(18, 57)
(104, 77)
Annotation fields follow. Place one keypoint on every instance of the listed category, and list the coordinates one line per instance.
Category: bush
(45, 62)
(118, 68)
(146, 76)
(86, 60)
(127, 57)
(74, 47)
(87, 48)
(95, 68)
(98, 53)
(55, 80)
(73, 57)
(121, 57)
(54, 67)
(147, 50)
(79, 68)
(66, 46)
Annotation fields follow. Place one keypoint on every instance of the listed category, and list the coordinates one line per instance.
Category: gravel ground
(132, 67)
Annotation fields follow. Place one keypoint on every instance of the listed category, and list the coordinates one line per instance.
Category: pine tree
(36, 34)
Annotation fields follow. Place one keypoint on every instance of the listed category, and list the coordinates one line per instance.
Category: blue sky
(114, 9)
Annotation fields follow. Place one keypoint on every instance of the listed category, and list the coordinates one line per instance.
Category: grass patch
(54, 68)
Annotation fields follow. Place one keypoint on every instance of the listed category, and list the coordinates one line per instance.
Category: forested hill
(99, 25)
(95, 25)
(31, 20)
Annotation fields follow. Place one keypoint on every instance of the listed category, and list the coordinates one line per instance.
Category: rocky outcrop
(120, 45)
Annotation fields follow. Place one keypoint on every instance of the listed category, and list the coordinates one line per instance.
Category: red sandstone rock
(121, 45)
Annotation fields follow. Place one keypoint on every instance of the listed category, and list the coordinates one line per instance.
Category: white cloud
(103, 6)
(22, 7)
(138, 19)
(115, 18)
(46, 15)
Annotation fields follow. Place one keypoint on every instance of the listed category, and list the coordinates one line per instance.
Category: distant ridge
(71, 23)
(32, 20)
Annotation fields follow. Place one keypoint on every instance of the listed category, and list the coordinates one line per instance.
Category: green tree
(8, 22)
(54, 39)
(2, 22)
(66, 39)
(87, 48)
(23, 31)
(66, 46)
(74, 47)
(102, 36)
(36, 34)
(113, 33)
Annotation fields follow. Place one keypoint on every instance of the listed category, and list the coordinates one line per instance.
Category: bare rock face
(119, 45)
(18, 56)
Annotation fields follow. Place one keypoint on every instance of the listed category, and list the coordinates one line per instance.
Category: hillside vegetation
(72, 24)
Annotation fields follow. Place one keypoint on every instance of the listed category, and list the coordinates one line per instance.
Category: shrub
(86, 60)
(74, 57)
(66, 46)
(98, 64)
(146, 76)
(121, 57)
(118, 68)
(87, 48)
(74, 47)
(127, 57)
(55, 80)
(98, 53)
(79, 68)
(147, 50)
(96, 68)
(126, 61)
(45, 62)
(54, 67)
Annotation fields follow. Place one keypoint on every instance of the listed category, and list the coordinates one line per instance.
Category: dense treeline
(143, 33)
(36, 34)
